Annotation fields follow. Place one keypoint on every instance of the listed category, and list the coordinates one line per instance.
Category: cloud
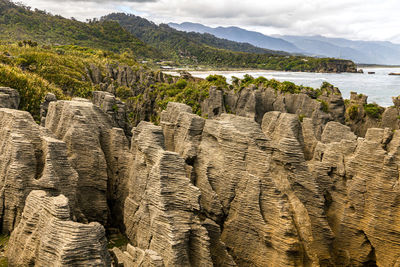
(354, 19)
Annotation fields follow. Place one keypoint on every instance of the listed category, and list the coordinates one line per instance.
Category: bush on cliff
(373, 110)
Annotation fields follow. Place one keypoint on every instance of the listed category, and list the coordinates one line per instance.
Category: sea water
(379, 87)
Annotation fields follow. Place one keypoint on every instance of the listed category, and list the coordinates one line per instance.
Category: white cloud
(354, 19)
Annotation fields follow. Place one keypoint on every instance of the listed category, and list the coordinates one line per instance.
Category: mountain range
(367, 52)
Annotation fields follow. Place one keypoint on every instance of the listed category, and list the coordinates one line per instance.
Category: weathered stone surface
(97, 151)
(136, 257)
(115, 108)
(390, 118)
(160, 211)
(45, 106)
(335, 132)
(30, 158)
(45, 236)
(214, 105)
(182, 130)
(251, 186)
(9, 98)
(362, 191)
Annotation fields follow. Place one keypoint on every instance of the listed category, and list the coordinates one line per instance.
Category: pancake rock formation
(9, 98)
(30, 158)
(97, 151)
(46, 236)
(265, 187)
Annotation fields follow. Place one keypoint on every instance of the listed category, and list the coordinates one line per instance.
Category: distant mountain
(368, 52)
(240, 35)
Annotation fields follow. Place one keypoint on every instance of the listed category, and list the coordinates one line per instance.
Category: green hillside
(205, 49)
(62, 70)
(19, 23)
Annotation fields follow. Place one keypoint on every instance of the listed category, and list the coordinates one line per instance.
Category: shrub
(353, 112)
(31, 88)
(124, 92)
(324, 105)
(373, 110)
(181, 84)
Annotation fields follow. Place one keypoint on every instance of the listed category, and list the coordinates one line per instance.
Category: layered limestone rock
(251, 186)
(360, 179)
(135, 257)
(44, 106)
(115, 108)
(274, 206)
(30, 158)
(361, 116)
(253, 102)
(45, 236)
(9, 98)
(98, 152)
(160, 211)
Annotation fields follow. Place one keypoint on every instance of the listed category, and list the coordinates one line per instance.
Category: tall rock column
(97, 151)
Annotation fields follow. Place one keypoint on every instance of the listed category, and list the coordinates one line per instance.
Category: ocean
(379, 87)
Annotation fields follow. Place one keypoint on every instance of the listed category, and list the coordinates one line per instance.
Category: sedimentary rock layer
(30, 158)
(45, 236)
(9, 98)
(160, 211)
(97, 151)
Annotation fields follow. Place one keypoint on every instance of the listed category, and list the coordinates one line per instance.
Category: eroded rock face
(9, 98)
(45, 236)
(362, 195)
(252, 184)
(44, 106)
(160, 211)
(115, 108)
(135, 257)
(285, 190)
(97, 151)
(30, 158)
(272, 200)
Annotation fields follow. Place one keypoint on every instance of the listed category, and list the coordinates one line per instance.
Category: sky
(372, 20)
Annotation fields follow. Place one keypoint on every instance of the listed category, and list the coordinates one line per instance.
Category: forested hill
(163, 36)
(19, 23)
(145, 40)
(206, 49)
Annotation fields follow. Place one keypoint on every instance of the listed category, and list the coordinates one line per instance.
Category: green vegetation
(145, 40)
(62, 70)
(324, 105)
(19, 23)
(117, 240)
(373, 110)
(353, 112)
(3, 246)
(207, 50)
(301, 117)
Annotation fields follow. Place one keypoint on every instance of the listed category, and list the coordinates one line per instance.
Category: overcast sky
(353, 19)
